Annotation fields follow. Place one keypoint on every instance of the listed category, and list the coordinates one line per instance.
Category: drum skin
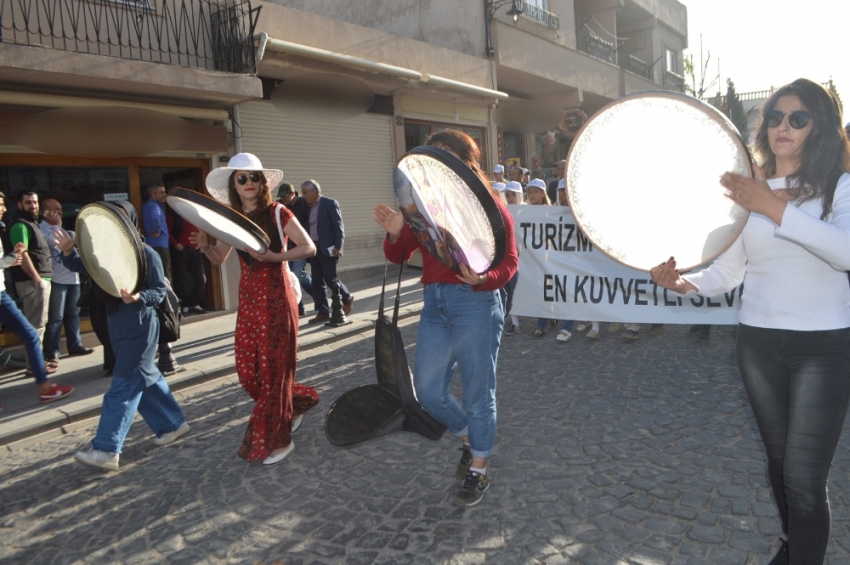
(218, 220)
(449, 209)
(643, 180)
(110, 248)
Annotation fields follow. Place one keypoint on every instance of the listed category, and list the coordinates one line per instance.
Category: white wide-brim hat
(218, 178)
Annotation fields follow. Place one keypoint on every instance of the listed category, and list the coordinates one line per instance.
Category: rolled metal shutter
(351, 160)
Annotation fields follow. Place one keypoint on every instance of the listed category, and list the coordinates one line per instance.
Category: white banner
(562, 276)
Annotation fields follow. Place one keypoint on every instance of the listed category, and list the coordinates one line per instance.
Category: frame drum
(111, 248)
(449, 209)
(643, 180)
(218, 220)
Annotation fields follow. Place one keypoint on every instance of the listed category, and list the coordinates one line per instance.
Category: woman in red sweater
(460, 328)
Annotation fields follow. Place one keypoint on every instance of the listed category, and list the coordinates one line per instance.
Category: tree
(690, 73)
(735, 109)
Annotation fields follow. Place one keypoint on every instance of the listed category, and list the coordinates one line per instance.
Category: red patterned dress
(266, 341)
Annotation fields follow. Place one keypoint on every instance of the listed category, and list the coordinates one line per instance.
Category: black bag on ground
(169, 315)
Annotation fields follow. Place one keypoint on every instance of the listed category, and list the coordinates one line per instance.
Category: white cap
(499, 169)
(500, 186)
(525, 171)
(561, 184)
(513, 186)
(537, 183)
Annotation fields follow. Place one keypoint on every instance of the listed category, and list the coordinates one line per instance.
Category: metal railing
(206, 34)
(595, 46)
(673, 81)
(636, 66)
(538, 14)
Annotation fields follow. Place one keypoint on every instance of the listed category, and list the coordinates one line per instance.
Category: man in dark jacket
(299, 207)
(32, 277)
(326, 229)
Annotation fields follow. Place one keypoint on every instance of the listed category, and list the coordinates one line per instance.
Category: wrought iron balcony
(673, 81)
(637, 66)
(205, 34)
(538, 14)
(595, 46)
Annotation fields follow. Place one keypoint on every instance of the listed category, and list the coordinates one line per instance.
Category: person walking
(267, 319)
(793, 340)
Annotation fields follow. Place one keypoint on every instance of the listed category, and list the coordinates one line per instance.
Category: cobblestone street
(607, 452)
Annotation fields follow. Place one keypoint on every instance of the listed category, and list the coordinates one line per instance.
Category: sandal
(538, 333)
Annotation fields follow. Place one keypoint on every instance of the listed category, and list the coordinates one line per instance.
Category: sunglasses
(797, 120)
(243, 179)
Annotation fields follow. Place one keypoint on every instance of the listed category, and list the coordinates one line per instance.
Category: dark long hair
(825, 155)
(464, 147)
(261, 214)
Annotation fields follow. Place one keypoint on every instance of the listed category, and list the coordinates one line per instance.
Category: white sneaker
(613, 327)
(169, 437)
(593, 334)
(275, 459)
(97, 458)
(564, 336)
(296, 423)
(581, 326)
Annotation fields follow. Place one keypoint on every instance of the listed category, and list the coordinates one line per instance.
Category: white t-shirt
(796, 273)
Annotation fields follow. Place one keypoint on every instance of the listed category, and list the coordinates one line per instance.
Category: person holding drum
(267, 320)
(460, 326)
(137, 384)
(794, 324)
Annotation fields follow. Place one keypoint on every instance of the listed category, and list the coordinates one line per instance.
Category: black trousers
(190, 277)
(166, 261)
(323, 271)
(798, 384)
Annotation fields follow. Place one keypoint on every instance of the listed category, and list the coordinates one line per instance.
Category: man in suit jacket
(328, 234)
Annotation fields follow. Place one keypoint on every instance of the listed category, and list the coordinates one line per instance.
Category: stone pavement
(205, 350)
(611, 452)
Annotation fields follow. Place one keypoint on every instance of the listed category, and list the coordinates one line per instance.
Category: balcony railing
(595, 46)
(674, 81)
(636, 66)
(205, 34)
(538, 14)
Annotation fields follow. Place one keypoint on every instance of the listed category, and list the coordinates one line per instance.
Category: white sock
(479, 471)
(515, 320)
(595, 326)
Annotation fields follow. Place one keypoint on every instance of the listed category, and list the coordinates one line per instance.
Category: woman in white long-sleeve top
(793, 336)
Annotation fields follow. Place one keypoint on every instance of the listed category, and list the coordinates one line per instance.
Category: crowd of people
(793, 345)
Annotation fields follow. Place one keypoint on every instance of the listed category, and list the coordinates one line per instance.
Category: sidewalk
(205, 350)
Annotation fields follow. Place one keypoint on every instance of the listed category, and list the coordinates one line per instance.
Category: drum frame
(690, 100)
(478, 189)
(131, 232)
(223, 210)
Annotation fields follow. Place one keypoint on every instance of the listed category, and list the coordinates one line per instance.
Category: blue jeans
(13, 319)
(299, 267)
(126, 395)
(798, 384)
(460, 329)
(566, 325)
(63, 310)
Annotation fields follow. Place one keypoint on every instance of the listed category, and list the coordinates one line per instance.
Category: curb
(48, 425)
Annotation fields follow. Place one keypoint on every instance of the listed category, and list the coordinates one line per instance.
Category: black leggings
(798, 384)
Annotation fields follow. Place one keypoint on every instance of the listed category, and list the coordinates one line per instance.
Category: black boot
(167, 364)
(781, 558)
(337, 315)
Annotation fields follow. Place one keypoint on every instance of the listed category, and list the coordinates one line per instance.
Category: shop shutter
(351, 160)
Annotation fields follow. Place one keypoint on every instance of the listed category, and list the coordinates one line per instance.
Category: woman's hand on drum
(129, 298)
(389, 219)
(665, 275)
(470, 277)
(64, 241)
(754, 194)
(199, 240)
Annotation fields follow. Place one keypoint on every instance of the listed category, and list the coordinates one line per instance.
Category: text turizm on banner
(562, 275)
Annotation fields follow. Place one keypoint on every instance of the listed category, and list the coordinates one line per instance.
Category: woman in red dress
(267, 319)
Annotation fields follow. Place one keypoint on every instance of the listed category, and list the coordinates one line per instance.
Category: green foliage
(735, 109)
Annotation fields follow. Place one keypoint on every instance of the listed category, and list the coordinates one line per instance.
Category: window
(671, 60)
(542, 4)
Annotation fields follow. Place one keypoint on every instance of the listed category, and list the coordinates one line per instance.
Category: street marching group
(793, 345)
